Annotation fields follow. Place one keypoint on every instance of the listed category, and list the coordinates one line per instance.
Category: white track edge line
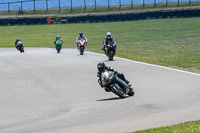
(148, 64)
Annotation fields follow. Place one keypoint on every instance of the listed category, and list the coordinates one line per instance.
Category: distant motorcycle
(111, 50)
(59, 45)
(115, 85)
(20, 46)
(81, 46)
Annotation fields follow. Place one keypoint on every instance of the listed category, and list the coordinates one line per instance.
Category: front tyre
(58, 48)
(20, 49)
(81, 50)
(111, 55)
(23, 49)
(118, 92)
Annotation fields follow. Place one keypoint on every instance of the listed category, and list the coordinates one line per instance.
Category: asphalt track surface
(45, 92)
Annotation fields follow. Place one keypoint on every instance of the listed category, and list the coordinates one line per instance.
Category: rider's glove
(115, 72)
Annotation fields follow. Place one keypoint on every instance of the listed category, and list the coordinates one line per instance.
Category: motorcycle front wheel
(118, 92)
(58, 48)
(111, 55)
(81, 50)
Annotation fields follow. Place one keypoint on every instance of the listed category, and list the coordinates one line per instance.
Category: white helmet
(108, 34)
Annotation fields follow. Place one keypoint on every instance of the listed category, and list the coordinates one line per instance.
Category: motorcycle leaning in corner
(116, 85)
(20, 46)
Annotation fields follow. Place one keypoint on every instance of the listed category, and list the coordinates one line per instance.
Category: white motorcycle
(81, 46)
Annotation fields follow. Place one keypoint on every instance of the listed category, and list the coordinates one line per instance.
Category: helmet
(101, 66)
(81, 34)
(108, 35)
(18, 39)
(58, 37)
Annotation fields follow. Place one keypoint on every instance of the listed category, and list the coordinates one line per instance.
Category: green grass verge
(187, 127)
(167, 42)
(76, 10)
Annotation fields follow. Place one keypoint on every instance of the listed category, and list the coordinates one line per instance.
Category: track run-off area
(42, 91)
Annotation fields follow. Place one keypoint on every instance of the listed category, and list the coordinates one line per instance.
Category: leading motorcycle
(116, 85)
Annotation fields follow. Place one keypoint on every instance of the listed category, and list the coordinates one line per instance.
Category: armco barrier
(104, 17)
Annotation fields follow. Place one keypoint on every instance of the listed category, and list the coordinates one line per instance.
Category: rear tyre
(131, 92)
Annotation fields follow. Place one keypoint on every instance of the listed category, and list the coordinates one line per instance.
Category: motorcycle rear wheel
(131, 92)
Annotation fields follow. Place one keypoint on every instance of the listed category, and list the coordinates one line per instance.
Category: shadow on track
(110, 99)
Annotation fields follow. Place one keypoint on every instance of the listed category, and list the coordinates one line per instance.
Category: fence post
(178, 3)
(47, 5)
(143, 3)
(108, 4)
(34, 5)
(21, 6)
(71, 5)
(166, 3)
(154, 3)
(95, 1)
(8, 7)
(84, 5)
(189, 2)
(131, 4)
(120, 4)
(59, 5)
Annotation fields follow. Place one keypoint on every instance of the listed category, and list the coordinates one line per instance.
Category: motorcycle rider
(79, 37)
(107, 40)
(57, 38)
(103, 68)
(16, 43)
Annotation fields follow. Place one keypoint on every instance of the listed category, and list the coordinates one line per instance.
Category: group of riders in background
(108, 78)
(108, 39)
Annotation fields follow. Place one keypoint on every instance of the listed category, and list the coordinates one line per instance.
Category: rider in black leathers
(102, 68)
(107, 40)
(16, 45)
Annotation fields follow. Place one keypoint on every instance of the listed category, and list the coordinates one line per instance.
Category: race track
(45, 92)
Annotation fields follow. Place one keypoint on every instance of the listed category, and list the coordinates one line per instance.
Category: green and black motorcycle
(58, 45)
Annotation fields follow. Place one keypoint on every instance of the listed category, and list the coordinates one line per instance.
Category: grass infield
(168, 42)
(186, 127)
